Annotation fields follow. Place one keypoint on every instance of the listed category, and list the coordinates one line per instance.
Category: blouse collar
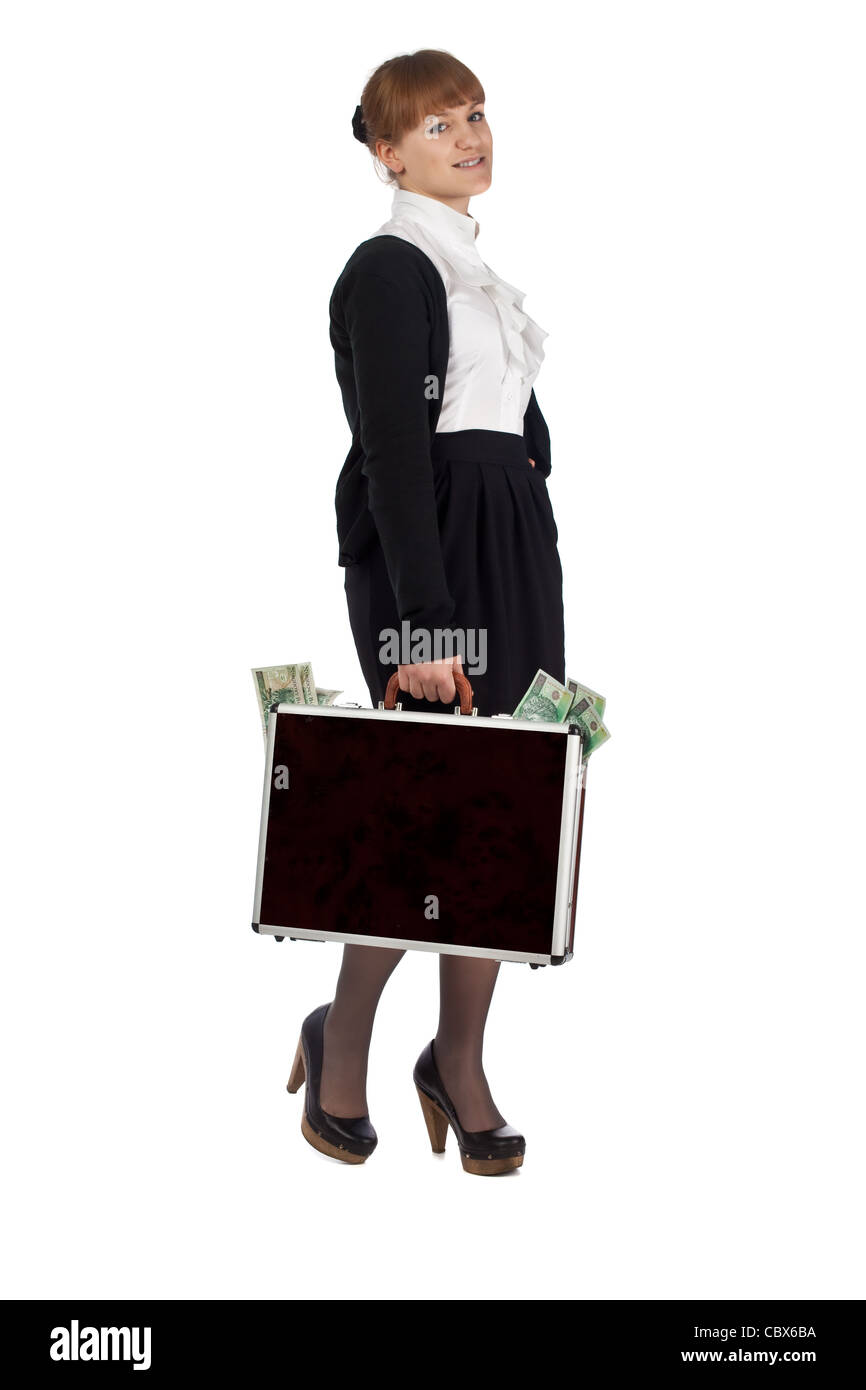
(451, 236)
(446, 222)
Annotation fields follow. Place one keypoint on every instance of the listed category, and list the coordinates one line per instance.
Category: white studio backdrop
(677, 189)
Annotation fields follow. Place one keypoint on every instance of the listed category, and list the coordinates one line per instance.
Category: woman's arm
(537, 436)
(387, 320)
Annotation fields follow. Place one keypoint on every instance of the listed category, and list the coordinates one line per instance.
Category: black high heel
(351, 1140)
(481, 1150)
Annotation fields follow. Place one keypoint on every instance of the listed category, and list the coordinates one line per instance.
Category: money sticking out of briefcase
(434, 832)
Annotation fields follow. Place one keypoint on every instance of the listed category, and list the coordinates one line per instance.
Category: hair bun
(359, 129)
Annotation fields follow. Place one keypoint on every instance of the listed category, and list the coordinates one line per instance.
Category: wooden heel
(299, 1074)
(436, 1121)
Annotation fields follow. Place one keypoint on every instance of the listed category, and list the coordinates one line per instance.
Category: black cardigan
(389, 331)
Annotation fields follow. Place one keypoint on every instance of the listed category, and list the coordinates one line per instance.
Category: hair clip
(359, 129)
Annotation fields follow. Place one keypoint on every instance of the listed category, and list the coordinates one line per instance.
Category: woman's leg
(349, 1026)
(466, 986)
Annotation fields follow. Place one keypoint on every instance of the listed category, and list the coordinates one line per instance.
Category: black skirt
(499, 548)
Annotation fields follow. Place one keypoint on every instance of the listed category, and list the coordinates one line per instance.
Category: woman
(444, 522)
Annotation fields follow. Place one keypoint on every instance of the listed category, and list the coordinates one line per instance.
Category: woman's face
(429, 158)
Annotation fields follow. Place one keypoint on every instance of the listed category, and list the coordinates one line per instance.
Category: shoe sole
(324, 1146)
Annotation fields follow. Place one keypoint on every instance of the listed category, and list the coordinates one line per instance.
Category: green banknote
(584, 714)
(288, 685)
(545, 700)
(577, 690)
(308, 685)
(572, 703)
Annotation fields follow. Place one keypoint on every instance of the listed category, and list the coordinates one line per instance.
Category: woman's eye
(441, 126)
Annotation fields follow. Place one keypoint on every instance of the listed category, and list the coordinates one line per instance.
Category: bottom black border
(256, 1336)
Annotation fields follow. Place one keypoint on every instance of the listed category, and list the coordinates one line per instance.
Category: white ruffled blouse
(495, 349)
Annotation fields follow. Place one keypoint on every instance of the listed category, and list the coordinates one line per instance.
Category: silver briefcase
(436, 832)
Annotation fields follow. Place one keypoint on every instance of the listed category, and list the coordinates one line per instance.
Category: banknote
(308, 685)
(326, 697)
(291, 684)
(577, 690)
(587, 718)
(545, 700)
(573, 703)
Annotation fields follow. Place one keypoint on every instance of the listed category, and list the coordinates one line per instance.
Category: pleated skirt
(499, 543)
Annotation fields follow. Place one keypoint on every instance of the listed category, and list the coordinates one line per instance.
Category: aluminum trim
(399, 942)
(567, 830)
(266, 806)
(453, 721)
(581, 781)
(581, 799)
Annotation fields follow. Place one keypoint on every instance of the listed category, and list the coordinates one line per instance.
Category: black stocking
(466, 986)
(349, 1025)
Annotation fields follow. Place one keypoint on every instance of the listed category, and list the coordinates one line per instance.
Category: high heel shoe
(351, 1140)
(482, 1150)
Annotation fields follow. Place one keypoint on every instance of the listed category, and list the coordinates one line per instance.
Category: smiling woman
(444, 524)
(420, 99)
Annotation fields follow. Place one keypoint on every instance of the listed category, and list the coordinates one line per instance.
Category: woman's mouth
(470, 163)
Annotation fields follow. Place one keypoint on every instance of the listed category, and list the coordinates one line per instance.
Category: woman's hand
(431, 680)
(532, 461)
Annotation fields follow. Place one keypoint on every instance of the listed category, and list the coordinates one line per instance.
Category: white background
(678, 189)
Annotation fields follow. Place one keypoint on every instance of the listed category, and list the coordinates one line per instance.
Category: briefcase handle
(464, 690)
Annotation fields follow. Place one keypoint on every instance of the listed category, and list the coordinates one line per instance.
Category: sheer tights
(466, 985)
